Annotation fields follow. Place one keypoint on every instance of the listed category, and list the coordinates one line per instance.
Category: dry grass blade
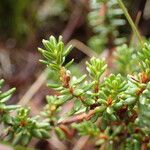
(33, 89)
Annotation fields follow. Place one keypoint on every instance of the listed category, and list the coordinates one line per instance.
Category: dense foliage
(112, 110)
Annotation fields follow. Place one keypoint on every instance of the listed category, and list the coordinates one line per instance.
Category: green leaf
(45, 134)
(136, 145)
(67, 51)
(69, 63)
(118, 105)
(17, 138)
(89, 101)
(60, 133)
(81, 79)
(37, 133)
(110, 110)
(1, 82)
(61, 100)
(130, 101)
(7, 93)
(53, 85)
(25, 139)
(78, 92)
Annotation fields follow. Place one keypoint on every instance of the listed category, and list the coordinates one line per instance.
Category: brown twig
(69, 133)
(78, 118)
(82, 47)
(75, 18)
(33, 89)
(55, 142)
(79, 145)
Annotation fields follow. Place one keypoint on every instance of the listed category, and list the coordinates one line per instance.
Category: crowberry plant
(111, 109)
(108, 109)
